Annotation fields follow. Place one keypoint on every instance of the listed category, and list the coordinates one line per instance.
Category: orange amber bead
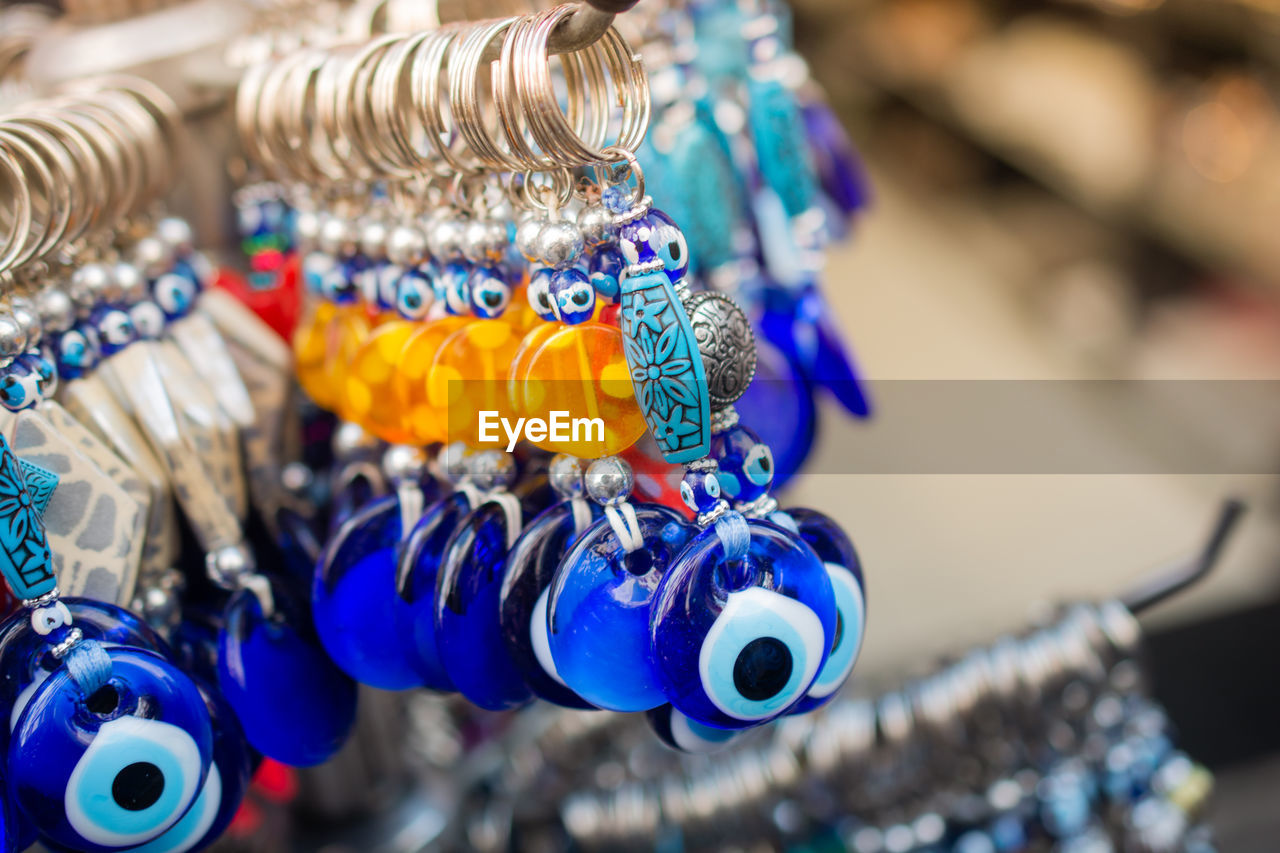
(468, 376)
(350, 328)
(424, 421)
(580, 370)
(310, 343)
(370, 395)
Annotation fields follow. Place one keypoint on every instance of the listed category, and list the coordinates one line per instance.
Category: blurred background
(1075, 190)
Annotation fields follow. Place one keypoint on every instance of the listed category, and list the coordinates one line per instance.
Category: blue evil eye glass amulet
(739, 642)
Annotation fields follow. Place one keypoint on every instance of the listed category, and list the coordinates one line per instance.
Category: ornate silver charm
(728, 346)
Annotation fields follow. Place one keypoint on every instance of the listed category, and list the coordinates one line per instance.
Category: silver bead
(727, 345)
(306, 228)
(373, 238)
(491, 469)
(13, 341)
(153, 256)
(527, 235)
(177, 233)
(485, 240)
(227, 565)
(24, 311)
(565, 475)
(57, 311)
(337, 236)
(445, 237)
(404, 462)
(452, 461)
(596, 223)
(406, 245)
(558, 243)
(93, 284)
(132, 283)
(609, 481)
(351, 439)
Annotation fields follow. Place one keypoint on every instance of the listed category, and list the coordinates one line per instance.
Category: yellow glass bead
(424, 421)
(580, 370)
(370, 397)
(351, 327)
(310, 343)
(468, 376)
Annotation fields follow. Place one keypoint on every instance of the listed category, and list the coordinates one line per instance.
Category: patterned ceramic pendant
(205, 349)
(96, 529)
(90, 403)
(295, 705)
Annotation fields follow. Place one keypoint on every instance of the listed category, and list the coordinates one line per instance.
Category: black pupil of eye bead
(765, 464)
(673, 249)
(762, 669)
(493, 298)
(839, 631)
(581, 297)
(137, 786)
(412, 300)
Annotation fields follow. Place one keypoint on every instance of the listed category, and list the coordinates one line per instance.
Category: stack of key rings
(477, 250)
(160, 650)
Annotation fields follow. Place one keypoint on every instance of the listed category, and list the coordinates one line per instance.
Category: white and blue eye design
(19, 388)
(761, 654)
(539, 294)
(338, 283)
(148, 319)
(655, 237)
(315, 267)
(685, 734)
(415, 294)
(389, 276)
(194, 826)
(607, 269)
(115, 329)
(572, 297)
(175, 294)
(455, 279)
(490, 292)
(76, 352)
(851, 624)
(135, 780)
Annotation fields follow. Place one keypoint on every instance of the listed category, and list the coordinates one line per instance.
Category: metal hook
(1169, 582)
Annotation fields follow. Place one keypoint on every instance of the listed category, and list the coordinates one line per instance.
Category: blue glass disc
(466, 615)
(738, 643)
(418, 570)
(598, 610)
(779, 407)
(526, 584)
(361, 622)
(294, 704)
(113, 770)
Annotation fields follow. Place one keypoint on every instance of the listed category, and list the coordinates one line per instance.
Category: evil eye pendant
(114, 769)
(149, 319)
(175, 294)
(739, 642)
(838, 556)
(19, 387)
(606, 270)
(466, 610)
(700, 491)
(746, 469)
(539, 294)
(358, 616)
(526, 587)
(295, 705)
(455, 287)
(223, 790)
(598, 610)
(415, 293)
(572, 297)
(75, 351)
(490, 292)
(114, 327)
(418, 570)
(655, 237)
(681, 733)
